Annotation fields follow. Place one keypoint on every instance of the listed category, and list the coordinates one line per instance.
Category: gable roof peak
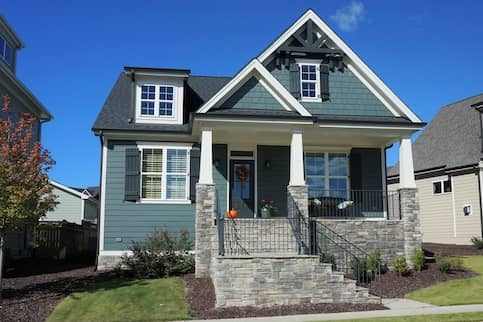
(355, 64)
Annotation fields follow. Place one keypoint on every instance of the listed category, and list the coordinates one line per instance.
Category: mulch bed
(201, 300)
(432, 249)
(391, 285)
(32, 298)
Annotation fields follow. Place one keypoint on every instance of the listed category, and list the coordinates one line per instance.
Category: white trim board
(83, 195)
(268, 81)
(362, 69)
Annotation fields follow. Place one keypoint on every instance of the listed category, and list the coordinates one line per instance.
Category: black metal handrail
(344, 255)
(353, 203)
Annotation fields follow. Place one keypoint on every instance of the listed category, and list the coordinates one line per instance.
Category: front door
(242, 180)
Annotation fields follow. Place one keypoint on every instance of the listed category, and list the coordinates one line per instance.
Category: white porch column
(406, 166)
(206, 161)
(297, 159)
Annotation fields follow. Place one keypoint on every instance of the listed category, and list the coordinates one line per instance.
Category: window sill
(311, 100)
(165, 202)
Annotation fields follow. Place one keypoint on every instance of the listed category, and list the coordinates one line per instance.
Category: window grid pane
(437, 187)
(176, 187)
(176, 161)
(152, 160)
(447, 186)
(151, 186)
(165, 109)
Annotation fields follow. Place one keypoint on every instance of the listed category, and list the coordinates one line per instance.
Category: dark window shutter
(194, 170)
(324, 82)
(355, 168)
(132, 182)
(295, 80)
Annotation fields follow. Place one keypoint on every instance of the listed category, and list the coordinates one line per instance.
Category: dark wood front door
(242, 179)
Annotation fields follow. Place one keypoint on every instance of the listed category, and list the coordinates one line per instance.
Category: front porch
(333, 209)
(344, 171)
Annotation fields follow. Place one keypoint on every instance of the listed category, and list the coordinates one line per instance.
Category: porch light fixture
(268, 163)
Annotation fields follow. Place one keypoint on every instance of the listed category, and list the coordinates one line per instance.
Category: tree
(25, 192)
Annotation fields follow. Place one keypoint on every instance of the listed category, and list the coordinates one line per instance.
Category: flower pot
(265, 212)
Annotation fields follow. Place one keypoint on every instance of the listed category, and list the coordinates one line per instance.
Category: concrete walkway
(397, 307)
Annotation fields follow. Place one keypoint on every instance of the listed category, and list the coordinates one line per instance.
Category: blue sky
(428, 52)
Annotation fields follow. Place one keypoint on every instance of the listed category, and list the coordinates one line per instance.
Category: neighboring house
(22, 100)
(306, 124)
(449, 173)
(74, 205)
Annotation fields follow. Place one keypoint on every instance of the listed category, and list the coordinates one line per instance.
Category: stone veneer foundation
(282, 280)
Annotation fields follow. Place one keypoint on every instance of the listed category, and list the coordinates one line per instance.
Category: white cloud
(347, 18)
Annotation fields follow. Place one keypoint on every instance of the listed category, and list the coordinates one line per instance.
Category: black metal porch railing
(354, 203)
(344, 256)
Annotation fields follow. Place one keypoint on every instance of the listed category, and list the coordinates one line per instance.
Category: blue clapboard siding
(220, 173)
(348, 96)
(273, 180)
(133, 221)
(252, 95)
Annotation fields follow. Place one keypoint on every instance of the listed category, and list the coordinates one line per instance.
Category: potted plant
(268, 209)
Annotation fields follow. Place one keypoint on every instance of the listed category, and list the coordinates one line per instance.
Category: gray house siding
(273, 180)
(68, 209)
(348, 95)
(252, 95)
(129, 221)
(90, 210)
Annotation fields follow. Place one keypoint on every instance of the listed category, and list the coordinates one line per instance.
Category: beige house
(449, 173)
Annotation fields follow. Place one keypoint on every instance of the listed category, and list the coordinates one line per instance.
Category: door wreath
(242, 173)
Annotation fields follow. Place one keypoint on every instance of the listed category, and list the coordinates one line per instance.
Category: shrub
(374, 262)
(159, 255)
(401, 266)
(327, 257)
(477, 242)
(446, 264)
(418, 259)
(359, 269)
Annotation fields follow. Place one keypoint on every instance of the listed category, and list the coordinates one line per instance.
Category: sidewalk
(397, 307)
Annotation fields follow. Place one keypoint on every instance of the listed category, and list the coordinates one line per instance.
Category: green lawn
(137, 300)
(457, 317)
(462, 291)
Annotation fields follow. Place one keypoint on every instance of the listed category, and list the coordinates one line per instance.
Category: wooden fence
(61, 240)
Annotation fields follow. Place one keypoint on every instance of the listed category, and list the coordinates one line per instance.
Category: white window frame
(310, 62)
(164, 173)
(4, 50)
(157, 82)
(441, 181)
(327, 176)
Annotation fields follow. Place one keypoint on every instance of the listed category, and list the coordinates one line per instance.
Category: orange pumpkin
(232, 213)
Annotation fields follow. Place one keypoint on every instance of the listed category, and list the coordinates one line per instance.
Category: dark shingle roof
(117, 109)
(451, 140)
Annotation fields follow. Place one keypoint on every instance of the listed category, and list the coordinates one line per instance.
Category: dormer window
(159, 101)
(309, 80)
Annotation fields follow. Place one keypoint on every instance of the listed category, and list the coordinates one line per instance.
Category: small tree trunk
(2, 243)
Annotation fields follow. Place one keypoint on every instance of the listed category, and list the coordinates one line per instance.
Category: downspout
(98, 221)
(480, 195)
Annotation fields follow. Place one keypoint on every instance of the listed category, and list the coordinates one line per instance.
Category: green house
(299, 133)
